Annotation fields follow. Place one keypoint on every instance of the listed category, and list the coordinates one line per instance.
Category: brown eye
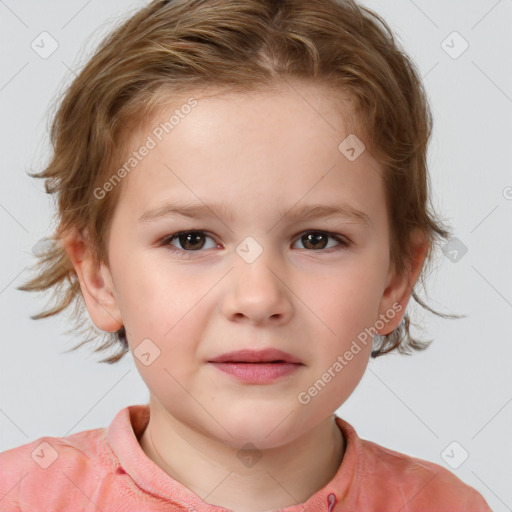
(191, 241)
(315, 241)
(318, 240)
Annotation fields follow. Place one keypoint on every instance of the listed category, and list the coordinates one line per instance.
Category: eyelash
(166, 241)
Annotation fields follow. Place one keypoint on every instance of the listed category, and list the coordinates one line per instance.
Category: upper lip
(256, 356)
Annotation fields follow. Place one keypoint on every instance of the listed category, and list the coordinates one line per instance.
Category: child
(290, 136)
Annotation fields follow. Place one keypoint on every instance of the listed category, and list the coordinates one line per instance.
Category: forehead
(280, 144)
(322, 99)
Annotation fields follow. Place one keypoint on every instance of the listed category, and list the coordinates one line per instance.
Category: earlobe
(400, 286)
(95, 282)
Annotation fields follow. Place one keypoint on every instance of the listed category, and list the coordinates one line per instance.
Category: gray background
(458, 390)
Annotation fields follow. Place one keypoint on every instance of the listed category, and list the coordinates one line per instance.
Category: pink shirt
(105, 470)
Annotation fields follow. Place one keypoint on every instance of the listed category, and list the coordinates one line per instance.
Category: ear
(399, 286)
(95, 282)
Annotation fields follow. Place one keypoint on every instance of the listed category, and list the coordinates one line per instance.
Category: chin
(264, 432)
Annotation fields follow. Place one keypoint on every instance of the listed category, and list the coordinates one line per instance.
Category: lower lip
(258, 373)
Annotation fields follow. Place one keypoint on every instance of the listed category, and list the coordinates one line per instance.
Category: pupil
(187, 240)
(310, 239)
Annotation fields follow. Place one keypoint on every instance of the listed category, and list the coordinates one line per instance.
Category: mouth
(254, 362)
(258, 367)
(249, 356)
(258, 373)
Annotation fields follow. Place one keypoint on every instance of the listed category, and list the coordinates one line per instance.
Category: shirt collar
(339, 495)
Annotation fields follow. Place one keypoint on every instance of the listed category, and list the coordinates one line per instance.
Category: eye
(318, 240)
(190, 241)
(194, 241)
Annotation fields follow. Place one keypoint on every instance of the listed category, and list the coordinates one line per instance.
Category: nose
(259, 291)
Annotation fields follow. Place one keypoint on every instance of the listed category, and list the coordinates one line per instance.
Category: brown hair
(170, 47)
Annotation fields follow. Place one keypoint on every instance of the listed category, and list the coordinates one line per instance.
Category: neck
(283, 476)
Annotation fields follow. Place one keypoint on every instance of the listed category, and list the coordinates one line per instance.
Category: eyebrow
(201, 211)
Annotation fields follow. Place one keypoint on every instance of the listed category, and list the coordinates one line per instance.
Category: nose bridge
(258, 290)
(258, 264)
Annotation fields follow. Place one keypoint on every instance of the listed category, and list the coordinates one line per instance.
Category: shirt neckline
(129, 424)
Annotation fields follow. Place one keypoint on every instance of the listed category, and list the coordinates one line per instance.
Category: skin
(260, 154)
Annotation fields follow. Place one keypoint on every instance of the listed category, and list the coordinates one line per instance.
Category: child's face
(260, 156)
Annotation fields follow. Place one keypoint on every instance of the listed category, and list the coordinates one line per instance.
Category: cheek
(335, 374)
(166, 353)
(349, 300)
(147, 296)
(348, 307)
(162, 308)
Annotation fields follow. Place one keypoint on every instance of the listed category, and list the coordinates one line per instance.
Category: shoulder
(26, 470)
(420, 484)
